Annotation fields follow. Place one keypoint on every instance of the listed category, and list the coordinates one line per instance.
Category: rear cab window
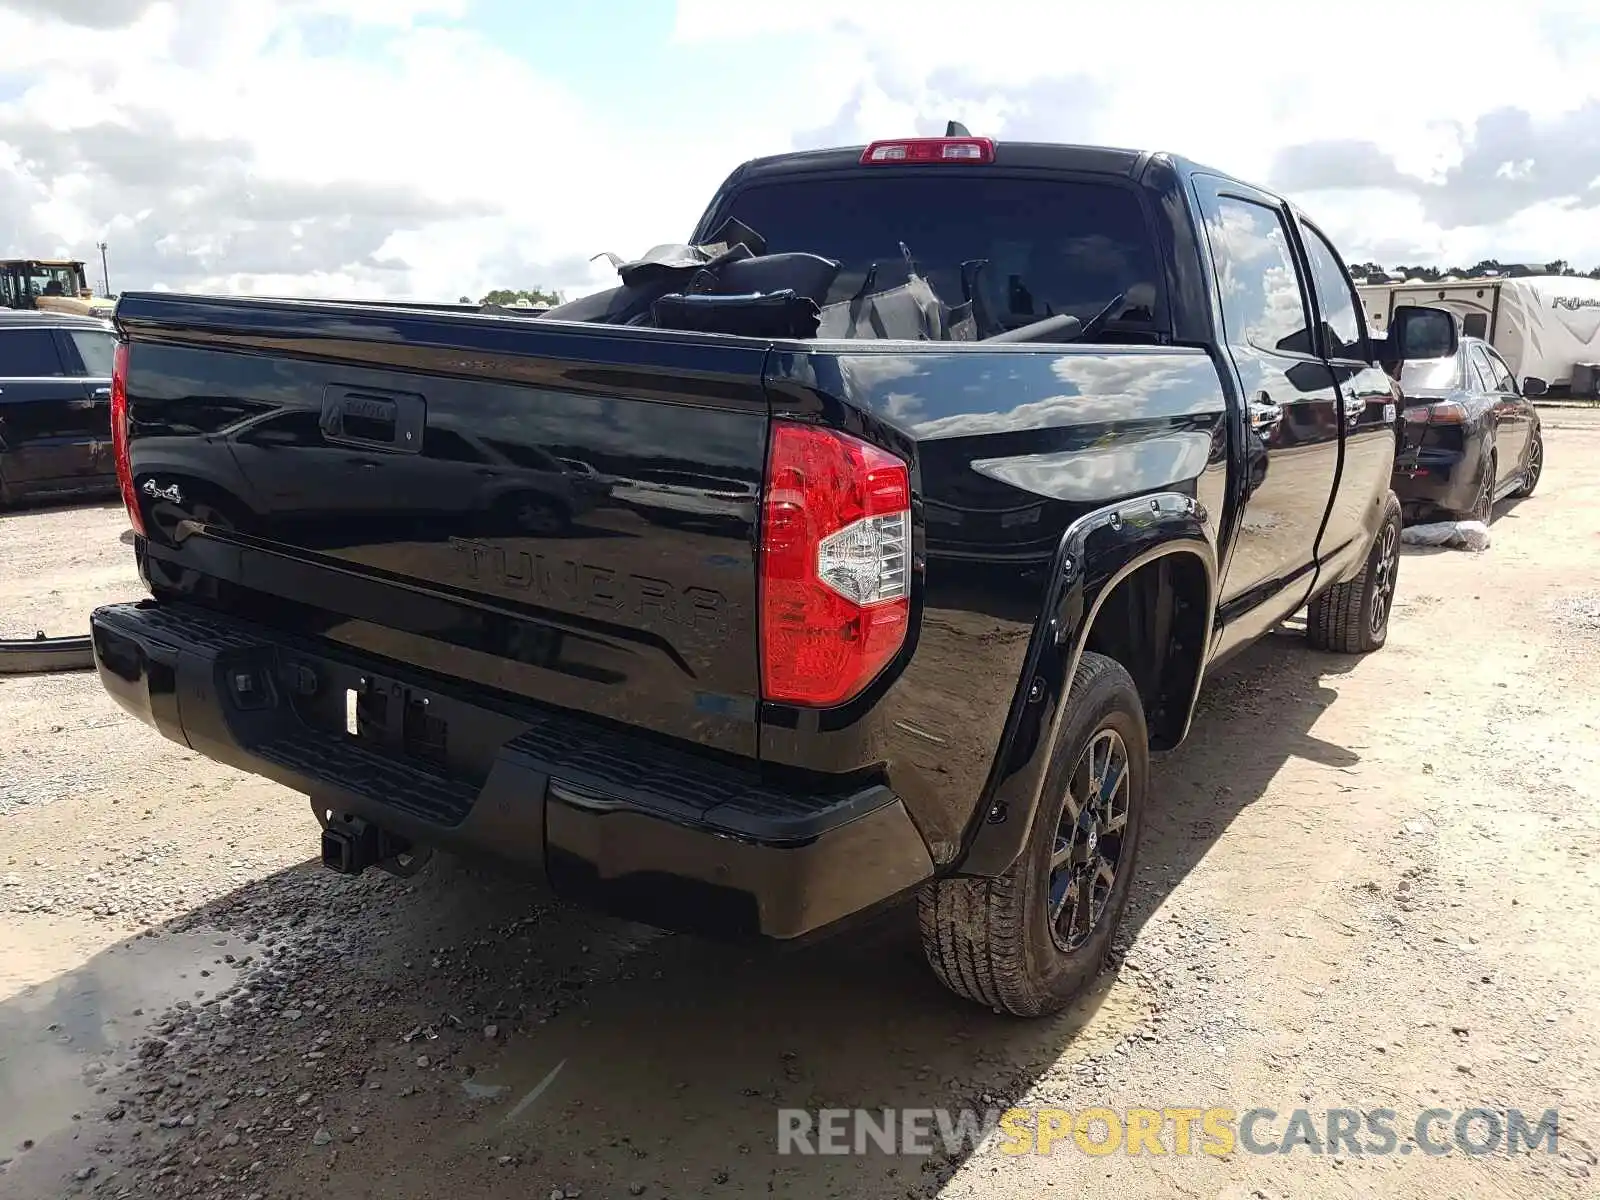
(1434, 374)
(1024, 247)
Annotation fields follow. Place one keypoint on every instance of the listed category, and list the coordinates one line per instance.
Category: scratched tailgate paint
(539, 520)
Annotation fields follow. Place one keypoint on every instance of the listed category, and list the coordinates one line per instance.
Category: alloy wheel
(1384, 572)
(1089, 840)
(1483, 506)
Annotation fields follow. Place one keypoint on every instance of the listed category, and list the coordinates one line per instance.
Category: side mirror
(1534, 386)
(1416, 333)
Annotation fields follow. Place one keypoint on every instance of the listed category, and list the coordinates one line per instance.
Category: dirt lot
(1365, 884)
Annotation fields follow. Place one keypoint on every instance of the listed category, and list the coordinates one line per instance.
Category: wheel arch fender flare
(1097, 552)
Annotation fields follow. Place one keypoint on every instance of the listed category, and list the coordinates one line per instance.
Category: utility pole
(105, 275)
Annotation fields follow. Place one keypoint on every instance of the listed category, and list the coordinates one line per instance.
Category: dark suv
(55, 397)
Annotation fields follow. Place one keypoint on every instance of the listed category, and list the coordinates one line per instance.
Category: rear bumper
(45, 656)
(1428, 479)
(656, 834)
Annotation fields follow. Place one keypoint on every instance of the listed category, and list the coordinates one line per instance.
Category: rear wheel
(1535, 467)
(1029, 941)
(1353, 617)
(1483, 500)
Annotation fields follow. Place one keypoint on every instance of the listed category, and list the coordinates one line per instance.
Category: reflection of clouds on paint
(1097, 388)
(902, 406)
(868, 372)
(187, 376)
(1096, 473)
(625, 429)
(519, 415)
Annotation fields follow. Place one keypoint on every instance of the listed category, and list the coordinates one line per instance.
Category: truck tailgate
(562, 513)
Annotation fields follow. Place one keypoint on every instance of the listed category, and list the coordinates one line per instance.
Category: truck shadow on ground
(620, 1058)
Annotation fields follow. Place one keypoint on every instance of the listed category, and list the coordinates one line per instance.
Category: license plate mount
(401, 720)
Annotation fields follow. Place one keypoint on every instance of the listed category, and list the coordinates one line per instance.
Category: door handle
(102, 393)
(1264, 414)
(1354, 406)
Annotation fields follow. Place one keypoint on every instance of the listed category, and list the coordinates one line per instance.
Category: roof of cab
(1047, 156)
(1100, 160)
(13, 318)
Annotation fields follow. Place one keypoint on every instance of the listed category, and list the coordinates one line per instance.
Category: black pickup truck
(751, 633)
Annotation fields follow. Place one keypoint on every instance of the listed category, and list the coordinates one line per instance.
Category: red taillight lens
(835, 565)
(119, 435)
(1445, 412)
(929, 150)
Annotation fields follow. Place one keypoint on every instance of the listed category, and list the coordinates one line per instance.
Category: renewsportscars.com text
(1165, 1131)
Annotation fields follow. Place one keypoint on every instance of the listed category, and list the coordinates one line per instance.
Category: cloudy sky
(435, 148)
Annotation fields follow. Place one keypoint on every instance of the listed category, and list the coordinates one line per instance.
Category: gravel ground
(57, 564)
(1365, 883)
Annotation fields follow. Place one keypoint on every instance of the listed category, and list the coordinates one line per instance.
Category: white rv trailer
(1542, 325)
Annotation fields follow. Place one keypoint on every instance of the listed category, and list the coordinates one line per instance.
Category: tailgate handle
(373, 417)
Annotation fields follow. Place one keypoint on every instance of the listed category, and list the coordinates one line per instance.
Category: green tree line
(1488, 267)
(504, 296)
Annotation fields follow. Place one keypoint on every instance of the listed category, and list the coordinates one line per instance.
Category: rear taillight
(929, 150)
(835, 565)
(1446, 412)
(119, 435)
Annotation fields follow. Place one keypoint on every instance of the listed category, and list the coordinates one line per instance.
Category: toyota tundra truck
(748, 629)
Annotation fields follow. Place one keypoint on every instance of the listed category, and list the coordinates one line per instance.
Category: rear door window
(1263, 304)
(1484, 372)
(1503, 380)
(95, 349)
(1026, 248)
(29, 354)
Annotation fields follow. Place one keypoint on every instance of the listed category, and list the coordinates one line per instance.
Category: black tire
(1535, 467)
(995, 941)
(1353, 618)
(1483, 499)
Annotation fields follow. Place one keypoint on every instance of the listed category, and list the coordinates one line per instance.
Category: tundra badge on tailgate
(571, 584)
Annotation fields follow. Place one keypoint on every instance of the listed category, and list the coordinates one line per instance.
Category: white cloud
(219, 144)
